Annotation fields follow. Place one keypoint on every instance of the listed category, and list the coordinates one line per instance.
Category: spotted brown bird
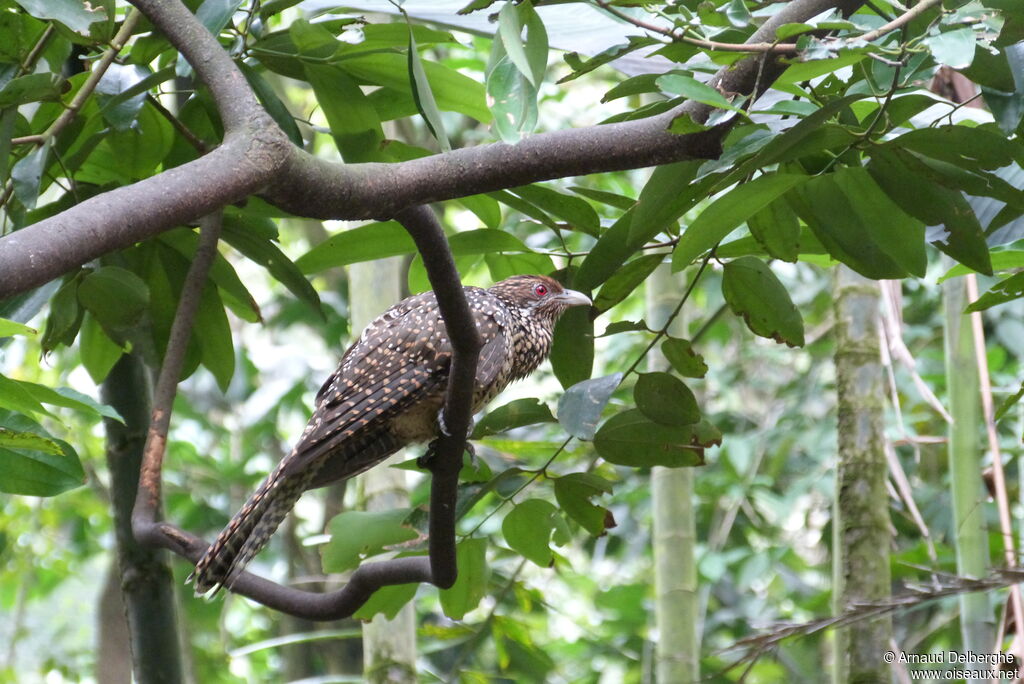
(388, 392)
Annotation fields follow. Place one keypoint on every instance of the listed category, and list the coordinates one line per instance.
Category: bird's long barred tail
(250, 529)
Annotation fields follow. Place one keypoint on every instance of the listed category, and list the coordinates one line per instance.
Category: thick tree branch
(439, 568)
(257, 156)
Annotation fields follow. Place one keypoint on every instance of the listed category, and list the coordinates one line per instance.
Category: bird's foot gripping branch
(443, 352)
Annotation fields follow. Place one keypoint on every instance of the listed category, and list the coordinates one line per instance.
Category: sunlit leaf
(580, 407)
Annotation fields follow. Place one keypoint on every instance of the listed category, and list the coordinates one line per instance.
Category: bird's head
(538, 296)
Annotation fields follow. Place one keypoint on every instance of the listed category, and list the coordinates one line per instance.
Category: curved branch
(261, 156)
(439, 568)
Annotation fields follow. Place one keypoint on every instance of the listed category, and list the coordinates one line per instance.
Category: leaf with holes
(358, 534)
(632, 439)
(527, 530)
(754, 293)
(574, 493)
(687, 362)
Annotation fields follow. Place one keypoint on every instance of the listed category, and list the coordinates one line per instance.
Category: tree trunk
(970, 536)
(677, 655)
(861, 526)
(389, 646)
(113, 648)
(146, 580)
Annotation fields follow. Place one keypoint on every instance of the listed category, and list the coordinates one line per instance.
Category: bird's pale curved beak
(574, 298)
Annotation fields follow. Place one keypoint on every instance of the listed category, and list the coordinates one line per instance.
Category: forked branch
(438, 567)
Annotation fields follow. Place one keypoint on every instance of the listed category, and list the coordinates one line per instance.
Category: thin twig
(147, 503)
(95, 74)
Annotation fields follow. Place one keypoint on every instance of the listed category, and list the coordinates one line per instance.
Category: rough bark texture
(146, 580)
(389, 646)
(861, 526)
(677, 654)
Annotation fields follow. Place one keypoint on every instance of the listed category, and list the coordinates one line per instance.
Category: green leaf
(576, 212)
(213, 334)
(28, 440)
(625, 280)
(271, 102)
(777, 229)
(1004, 291)
(572, 349)
(72, 399)
(970, 148)
(754, 293)
(471, 585)
(11, 328)
(1002, 260)
(504, 265)
(424, 97)
(116, 81)
(27, 174)
(513, 101)
(932, 204)
(35, 469)
(665, 399)
(953, 48)
(727, 212)
(486, 209)
(738, 14)
(662, 200)
(354, 123)
(359, 534)
(32, 88)
(387, 601)
(99, 353)
(365, 243)
(242, 234)
(514, 414)
(1009, 402)
(609, 253)
(65, 315)
(632, 439)
(214, 14)
(829, 212)
(684, 360)
(536, 41)
(897, 234)
(124, 99)
(116, 297)
(612, 199)
(485, 241)
(15, 396)
(76, 15)
(527, 530)
(574, 492)
(510, 32)
(625, 326)
(581, 405)
(186, 241)
(692, 89)
(453, 91)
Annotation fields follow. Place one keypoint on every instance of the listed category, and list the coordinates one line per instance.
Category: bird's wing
(402, 356)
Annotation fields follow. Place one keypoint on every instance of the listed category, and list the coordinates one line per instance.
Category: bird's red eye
(540, 290)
